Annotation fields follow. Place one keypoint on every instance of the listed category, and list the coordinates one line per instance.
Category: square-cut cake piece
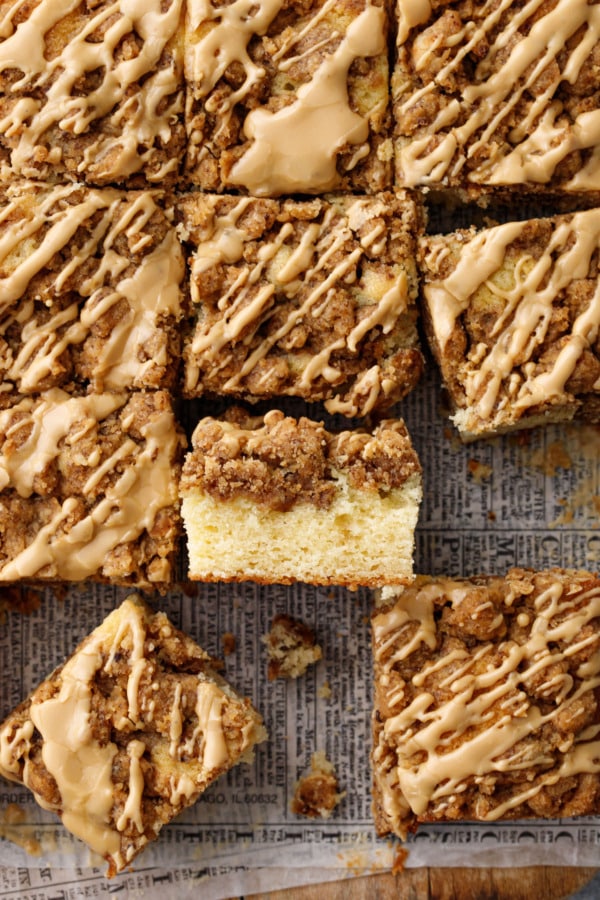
(90, 288)
(127, 733)
(89, 488)
(493, 94)
(486, 699)
(285, 97)
(92, 91)
(280, 500)
(313, 298)
(513, 317)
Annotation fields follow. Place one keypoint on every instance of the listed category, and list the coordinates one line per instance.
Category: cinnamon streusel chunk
(496, 94)
(127, 733)
(314, 298)
(92, 91)
(283, 500)
(285, 97)
(486, 699)
(291, 648)
(513, 316)
(88, 488)
(90, 289)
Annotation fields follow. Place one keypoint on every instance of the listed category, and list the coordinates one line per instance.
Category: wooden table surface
(532, 883)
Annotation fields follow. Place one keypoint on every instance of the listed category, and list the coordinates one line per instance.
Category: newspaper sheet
(529, 499)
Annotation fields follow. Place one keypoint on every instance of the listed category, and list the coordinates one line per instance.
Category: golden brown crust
(317, 793)
(486, 700)
(311, 298)
(291, 648)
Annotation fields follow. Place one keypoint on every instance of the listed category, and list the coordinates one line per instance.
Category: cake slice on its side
(486, 699)
(279, 500)
(312, 299)
(127, 733)
(290, 99)
(89, 489)
(92, 91)
(489, 95)
(90, 289)
(513, 317)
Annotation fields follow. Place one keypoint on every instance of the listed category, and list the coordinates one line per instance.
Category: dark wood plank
(532, 883)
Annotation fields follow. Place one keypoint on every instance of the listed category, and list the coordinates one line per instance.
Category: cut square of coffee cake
(90, 289)
(496, 94)
(285, 97)
(486, 699)
(513, 317)
(314, 298)
(127, 733)
(92, 91)
(279, 500)
(89, 488)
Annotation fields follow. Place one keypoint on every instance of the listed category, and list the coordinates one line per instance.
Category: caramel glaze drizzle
(82, 766)
(310, 264)
(118, 263)
(554, 44)
(481, 730)
(502, 375)
(122, 123)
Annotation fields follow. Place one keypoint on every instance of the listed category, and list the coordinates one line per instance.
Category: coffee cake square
(89, 489)
(513, 317)
(306, 298)
(277, 499)
(284, 97)
(127, 733)
(92, 92)
(90, 289)
(486, 699)
(497, 94)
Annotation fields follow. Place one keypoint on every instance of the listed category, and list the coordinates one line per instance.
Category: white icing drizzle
(135, 348)
(294, 148)
(305, 266)
(128, 507)
(124, 119)
(468, 122)
(477, 730)
(504, 374)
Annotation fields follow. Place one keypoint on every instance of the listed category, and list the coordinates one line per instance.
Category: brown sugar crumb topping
(291, 648)
(278, 461)
(317, 793)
